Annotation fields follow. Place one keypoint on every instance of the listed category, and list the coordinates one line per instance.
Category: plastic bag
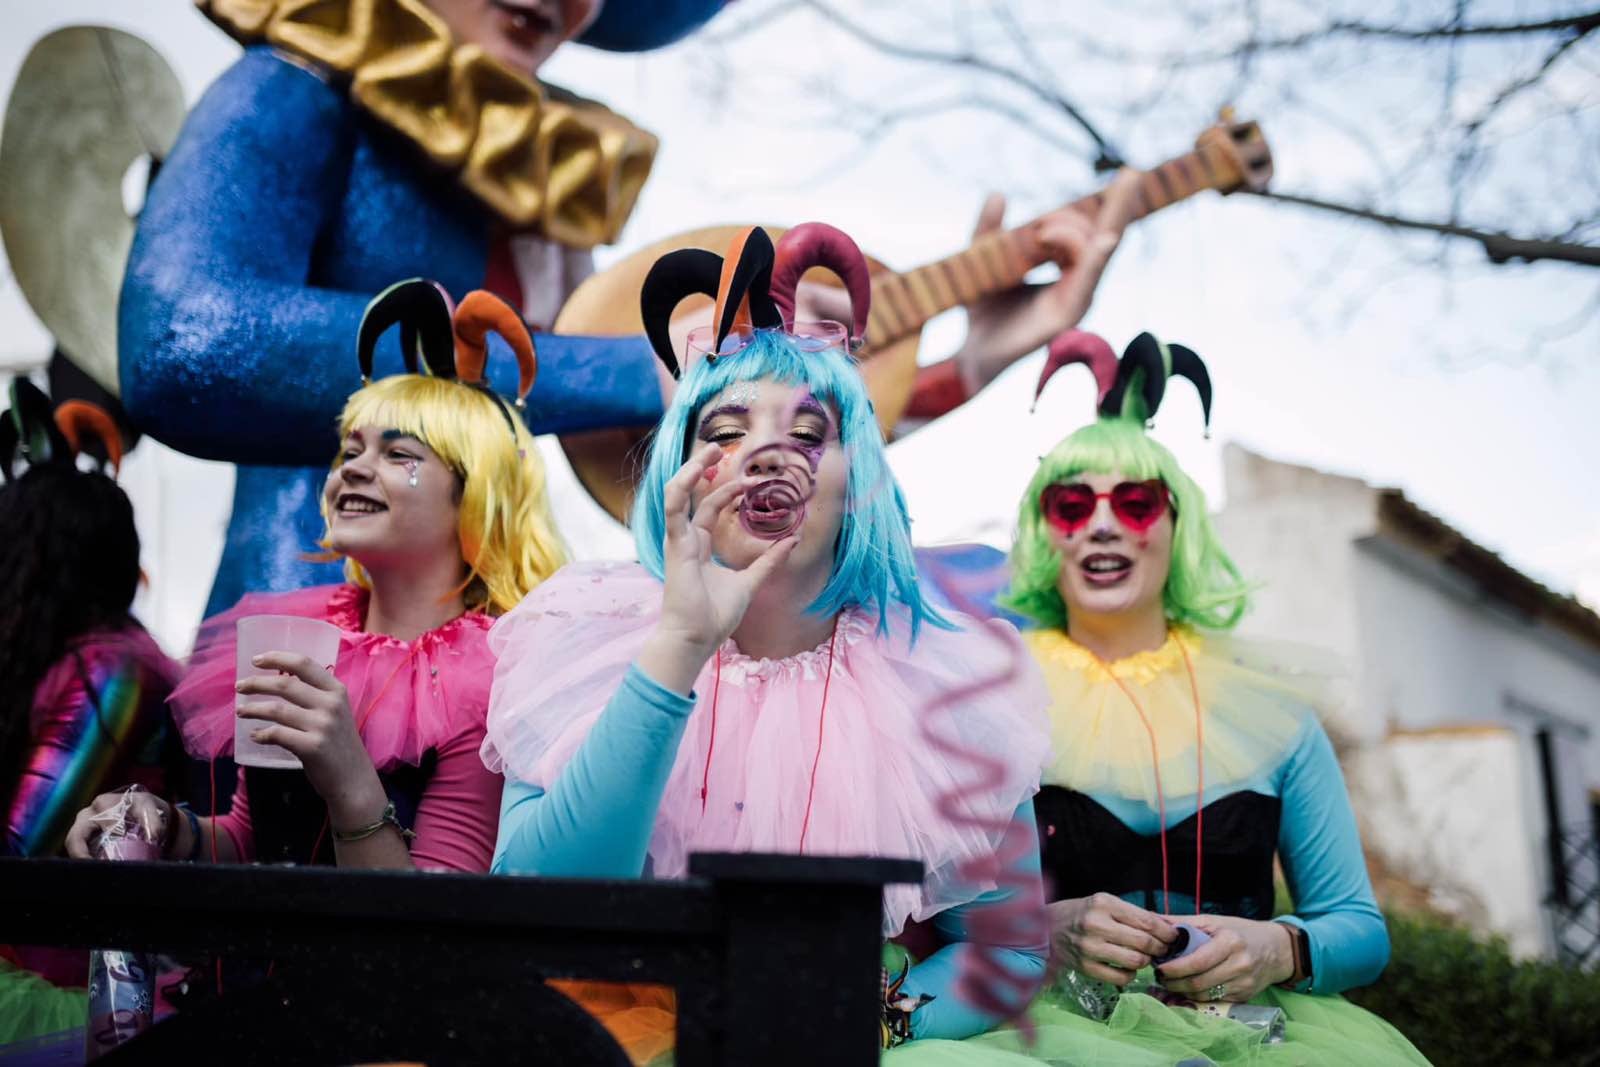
(121, 983)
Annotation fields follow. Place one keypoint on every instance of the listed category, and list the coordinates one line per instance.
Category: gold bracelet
(388, 818)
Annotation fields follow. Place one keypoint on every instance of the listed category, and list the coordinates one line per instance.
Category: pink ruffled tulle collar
(410, 696)
(853, 625)
(347, 609)
(744, 783)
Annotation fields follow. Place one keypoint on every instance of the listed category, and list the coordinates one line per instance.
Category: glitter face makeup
(410, 464)
(741, 394)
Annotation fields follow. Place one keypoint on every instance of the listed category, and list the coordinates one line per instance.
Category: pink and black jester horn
(1079, 346)
(1134, 386)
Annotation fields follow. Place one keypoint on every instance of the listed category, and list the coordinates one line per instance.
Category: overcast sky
(1389, 373)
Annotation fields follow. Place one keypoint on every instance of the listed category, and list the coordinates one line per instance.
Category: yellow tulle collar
(1113, 724)
(1141, 667)
(550, 161)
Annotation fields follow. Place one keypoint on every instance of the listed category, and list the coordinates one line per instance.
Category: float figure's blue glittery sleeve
(279, 214)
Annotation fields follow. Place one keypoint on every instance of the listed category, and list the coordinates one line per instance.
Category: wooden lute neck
(1227, 157)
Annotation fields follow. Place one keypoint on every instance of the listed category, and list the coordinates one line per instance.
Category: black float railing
(775, 959)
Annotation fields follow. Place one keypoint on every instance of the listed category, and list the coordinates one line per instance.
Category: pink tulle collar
(347, 609)
(853, 625)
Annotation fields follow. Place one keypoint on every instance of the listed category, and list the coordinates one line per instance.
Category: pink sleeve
(236, 824)
(459, 813)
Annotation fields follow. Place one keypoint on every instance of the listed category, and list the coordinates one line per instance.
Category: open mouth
(354, 505)
(1105, 568)
(527, 23)
(772, 509)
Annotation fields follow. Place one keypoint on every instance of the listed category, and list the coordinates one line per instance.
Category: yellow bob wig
(509, 541)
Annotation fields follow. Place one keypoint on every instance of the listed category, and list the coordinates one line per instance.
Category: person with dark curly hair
(83, 686)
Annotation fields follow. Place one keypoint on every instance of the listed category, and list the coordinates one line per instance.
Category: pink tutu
(407, 696)
(562, 653)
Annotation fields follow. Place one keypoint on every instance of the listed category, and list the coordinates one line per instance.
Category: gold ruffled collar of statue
(547, 160)
(1141, 667)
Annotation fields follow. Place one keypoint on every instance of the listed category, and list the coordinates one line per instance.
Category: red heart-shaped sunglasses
(1137, 505)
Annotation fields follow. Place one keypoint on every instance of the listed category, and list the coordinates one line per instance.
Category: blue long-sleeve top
(1319, 846)
(281, 211)
(596, 818)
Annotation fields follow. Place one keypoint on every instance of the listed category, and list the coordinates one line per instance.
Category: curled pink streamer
(1020, 921)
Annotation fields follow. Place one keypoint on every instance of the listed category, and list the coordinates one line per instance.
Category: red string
(214, 806)
(1155, 759)
(1155, 763)
(816, 760)
(213, 822)
(711, 745)
(822, 715)
(1200, 760)
(361, 724)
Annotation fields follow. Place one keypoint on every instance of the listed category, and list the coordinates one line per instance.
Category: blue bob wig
(873, 565)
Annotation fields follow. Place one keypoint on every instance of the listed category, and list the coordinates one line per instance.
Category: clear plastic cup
(312, 638)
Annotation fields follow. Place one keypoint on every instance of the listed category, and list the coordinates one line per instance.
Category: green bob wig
(1204, 588)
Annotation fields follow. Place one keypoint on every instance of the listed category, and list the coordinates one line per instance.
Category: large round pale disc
(88, 102)
(608, 462)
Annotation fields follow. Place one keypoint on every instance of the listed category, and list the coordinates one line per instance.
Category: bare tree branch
(1582, 23)
(1109, 157)
(1510, 90)
(1572, 25)
(1499, 247)
(1455, 154)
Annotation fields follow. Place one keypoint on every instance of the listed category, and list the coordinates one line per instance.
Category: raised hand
(1107, 938)
(1007, 326)
(703, 601)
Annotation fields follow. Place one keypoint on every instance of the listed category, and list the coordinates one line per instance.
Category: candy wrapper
(1255, 1016)
(1263, 1017)
(121, 983)
(1096, 999)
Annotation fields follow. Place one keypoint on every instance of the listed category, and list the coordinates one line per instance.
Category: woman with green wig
(1186, 763)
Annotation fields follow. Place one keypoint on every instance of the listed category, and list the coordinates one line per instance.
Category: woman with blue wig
(768, 677)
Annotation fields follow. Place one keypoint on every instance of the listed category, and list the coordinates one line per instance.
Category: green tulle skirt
(1143, 1032)
(31, 1006)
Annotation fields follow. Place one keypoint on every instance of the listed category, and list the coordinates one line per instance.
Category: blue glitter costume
(280, 212)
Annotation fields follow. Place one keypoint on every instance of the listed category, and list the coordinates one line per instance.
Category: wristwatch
(1302, 955)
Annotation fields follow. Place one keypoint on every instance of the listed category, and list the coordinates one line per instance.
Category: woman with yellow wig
(436, 502)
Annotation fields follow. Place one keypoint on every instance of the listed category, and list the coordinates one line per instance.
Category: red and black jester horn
(816, 244)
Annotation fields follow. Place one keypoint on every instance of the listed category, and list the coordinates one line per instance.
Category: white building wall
(1461, 811)
(1436, 652)
(1447, 811)
(1290, 529)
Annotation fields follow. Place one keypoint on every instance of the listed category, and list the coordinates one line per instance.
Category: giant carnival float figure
(356, 144)
(350, 146)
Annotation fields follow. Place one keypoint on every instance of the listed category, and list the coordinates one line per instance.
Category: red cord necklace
(1155, 761)
(816, 760)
